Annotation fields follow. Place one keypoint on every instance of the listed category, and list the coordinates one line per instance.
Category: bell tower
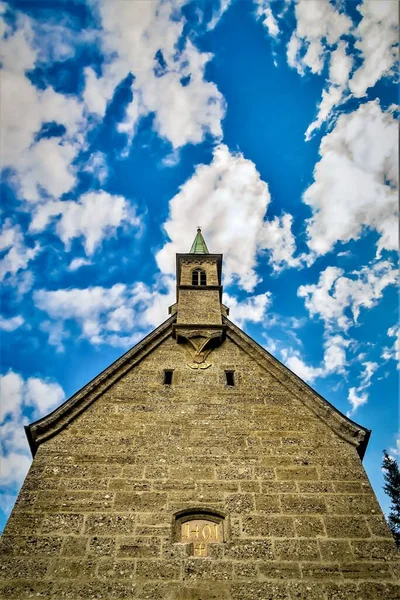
(199, 307)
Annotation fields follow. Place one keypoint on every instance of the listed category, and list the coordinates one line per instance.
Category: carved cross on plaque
(201, 532)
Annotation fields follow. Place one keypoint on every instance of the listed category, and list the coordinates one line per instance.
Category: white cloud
(377, 38)
(97, 166)
(357, 177)
(229, 200)
(42, 395)
(393, 352)
(264, 13)
(279, 240)
(16, 395)
(334, 360)
(45, 164)
(252, 308)
(222, 8)
(321, 34)
(318, 24)
(118, 316)
(339, 71)
(18, 255)
(338, 299)
(186, 106)
(11, 324)
(11, 386)
(94, 216)
(358, 395)
(77, 263)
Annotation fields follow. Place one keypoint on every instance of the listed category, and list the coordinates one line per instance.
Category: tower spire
(199, 246)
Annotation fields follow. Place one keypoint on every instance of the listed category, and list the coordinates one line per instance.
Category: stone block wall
(95, 517)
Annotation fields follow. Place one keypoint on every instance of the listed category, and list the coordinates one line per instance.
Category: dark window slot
(230, 377)
(199, 277)
(167, 377)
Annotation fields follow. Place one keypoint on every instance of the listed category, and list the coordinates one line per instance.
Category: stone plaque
(201, 532)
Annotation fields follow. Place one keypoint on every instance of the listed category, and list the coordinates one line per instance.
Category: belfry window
(199, 277)
(168, 376)
(230, 377)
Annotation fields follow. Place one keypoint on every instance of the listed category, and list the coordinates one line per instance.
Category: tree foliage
(391, 474)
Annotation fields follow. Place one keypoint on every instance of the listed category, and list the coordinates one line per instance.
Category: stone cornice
(344, 427)
(48, 426)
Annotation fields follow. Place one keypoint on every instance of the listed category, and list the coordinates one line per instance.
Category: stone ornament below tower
(197, 467)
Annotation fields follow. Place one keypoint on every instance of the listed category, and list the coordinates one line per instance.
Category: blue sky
(124, 125)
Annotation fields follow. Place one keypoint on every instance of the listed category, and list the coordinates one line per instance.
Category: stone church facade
(197, 467)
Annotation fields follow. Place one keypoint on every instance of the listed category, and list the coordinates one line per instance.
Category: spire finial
(199, 246)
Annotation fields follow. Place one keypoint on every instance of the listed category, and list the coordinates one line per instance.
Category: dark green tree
(391, 474)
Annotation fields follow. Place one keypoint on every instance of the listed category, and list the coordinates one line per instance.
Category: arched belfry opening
(199, 277)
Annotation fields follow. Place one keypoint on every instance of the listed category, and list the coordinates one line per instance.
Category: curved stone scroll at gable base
(199, 342)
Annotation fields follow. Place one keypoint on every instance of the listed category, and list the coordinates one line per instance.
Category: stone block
(115, 524)
(257, 526)
(343, 591)
(315, 487)
(375, 550)
(296, 473)
(218, 591)
(101, 546)
(268, 503)
(233, 473)
(157, 569)
(295, 549)
(352, 504)
(116, 568)
(239, 503)
(74, 546)
(374, 590)
(140, 547)
(266, 590)
(129, 484)
(335, 550)
(67, 523)
(346, 527)
(279, 570)
(301, 590)
(69, 568)
(140, 501)
(250, 550)
(250, 486)
(23, 568)
(245, 570)
(33, 545)
(366, 570)
(301, 504)
(318, 571)
(204, 568)
(23, 523)
(378, 527)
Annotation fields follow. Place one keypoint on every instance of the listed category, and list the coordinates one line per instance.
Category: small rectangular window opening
(168, 376)
(230, 377)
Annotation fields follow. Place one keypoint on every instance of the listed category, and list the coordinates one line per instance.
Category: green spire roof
(199, 246)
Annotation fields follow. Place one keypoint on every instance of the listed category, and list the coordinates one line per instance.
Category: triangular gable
(48, 426)
(344, 427)
(45, 428)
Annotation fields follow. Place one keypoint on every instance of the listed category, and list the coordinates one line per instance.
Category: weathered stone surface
(96, 518)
